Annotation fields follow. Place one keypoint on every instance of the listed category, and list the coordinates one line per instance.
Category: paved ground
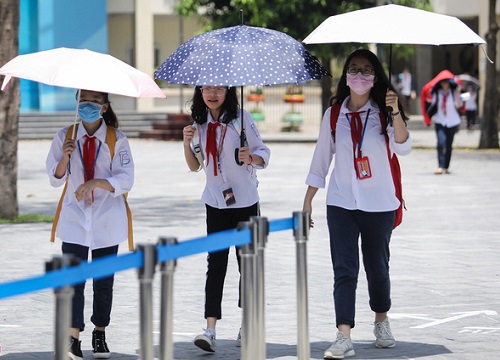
(445, 258)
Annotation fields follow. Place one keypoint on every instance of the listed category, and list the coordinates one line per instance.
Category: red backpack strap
(334, 116)
(395, 172)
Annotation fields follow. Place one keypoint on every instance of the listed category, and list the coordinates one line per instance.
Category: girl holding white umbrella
(359, 202)
(93, 213)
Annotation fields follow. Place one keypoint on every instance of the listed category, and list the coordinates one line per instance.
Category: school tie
(89, 150)
(211, 148)
(443, 103)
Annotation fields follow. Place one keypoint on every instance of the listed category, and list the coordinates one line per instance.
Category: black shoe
(99, 345)
(75, 350)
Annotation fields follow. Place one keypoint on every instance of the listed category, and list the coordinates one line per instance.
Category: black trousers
(220, 220)
(103, 288)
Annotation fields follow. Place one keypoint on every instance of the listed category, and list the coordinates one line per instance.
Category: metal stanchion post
(166, 303)
(300, 232)
(64, 297)
(146, 274)
(248, 294)
(262, 233)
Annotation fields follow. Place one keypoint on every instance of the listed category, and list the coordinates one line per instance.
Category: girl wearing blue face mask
(361, 199)
(93, 216)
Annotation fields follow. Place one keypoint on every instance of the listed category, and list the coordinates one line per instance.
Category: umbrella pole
(390, 62)
(242, 134)
(76, 114)
(389, 108)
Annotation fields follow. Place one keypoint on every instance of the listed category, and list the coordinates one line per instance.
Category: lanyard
(93, 164)
(357, 143)
(219, 149)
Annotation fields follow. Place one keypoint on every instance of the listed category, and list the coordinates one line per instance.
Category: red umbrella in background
(426, 94)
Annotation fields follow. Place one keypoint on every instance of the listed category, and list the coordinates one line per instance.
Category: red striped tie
(211, 148)
(89, 150)
(443, 103)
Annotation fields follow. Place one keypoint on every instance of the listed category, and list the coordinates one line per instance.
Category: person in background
(446, 102)
(93, 217)
(359, 203)
(407, 88)
(230, 193)
(471, 106)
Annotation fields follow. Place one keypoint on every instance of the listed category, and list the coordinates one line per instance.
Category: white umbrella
(393, 24)
(81, 69)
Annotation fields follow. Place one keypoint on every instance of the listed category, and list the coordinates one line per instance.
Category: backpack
(111, 141)
(393, 161)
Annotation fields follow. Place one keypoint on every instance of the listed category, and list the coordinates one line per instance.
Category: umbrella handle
(243, 140)
(236, 157)
(390, 117)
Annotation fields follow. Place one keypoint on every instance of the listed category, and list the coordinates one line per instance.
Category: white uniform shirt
(104, 223)
(241, 179)
(452, 117)
(406, 84)
(373, 194)
(471, 103)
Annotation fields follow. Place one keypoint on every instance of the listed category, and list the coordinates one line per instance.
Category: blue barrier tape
(109, 265)
(281, 224)
(73, 275)
(212, 242)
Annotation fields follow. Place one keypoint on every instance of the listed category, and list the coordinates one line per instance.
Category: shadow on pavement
(226, 349)
(403, 350)
(46, 355)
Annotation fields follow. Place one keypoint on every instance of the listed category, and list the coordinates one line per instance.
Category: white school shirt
(241, 179)
(471, 103)
(374, 194)
(406, 84)
(452, 117)
(104, 223)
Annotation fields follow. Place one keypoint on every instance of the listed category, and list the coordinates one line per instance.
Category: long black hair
(109, 115)
(380, 86)
(229, 107)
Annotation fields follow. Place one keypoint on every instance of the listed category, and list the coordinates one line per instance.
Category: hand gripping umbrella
(393, 24)
(81, 69)
(239, 56)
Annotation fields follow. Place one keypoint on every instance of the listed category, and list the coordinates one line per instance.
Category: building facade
(143, 33)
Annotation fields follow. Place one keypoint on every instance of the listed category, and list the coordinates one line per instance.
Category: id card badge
(229, 197)
(363, 168)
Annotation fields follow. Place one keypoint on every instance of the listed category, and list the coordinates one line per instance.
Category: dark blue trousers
(375, 228)
(220, 220)
(103, 288)
(445, 137)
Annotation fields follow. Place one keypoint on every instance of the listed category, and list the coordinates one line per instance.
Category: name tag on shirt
(363, 169)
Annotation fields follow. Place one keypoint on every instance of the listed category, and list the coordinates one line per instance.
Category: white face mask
(359, 83)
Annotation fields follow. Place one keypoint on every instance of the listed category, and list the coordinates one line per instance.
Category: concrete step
(160, 134)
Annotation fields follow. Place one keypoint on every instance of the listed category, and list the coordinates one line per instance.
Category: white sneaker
(238, 339)
(383, 334)
(340, 349)
(206, 341)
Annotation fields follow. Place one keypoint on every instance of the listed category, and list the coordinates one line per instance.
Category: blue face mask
(89, 111)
